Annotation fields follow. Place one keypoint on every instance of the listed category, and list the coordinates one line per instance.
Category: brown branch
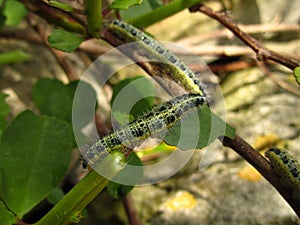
(130, 210)
(263, 167)
(249, 29)
(262, 52)
(284, 85)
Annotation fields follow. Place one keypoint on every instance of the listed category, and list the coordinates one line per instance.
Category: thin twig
(284, 85)
(262, 165)
(249, 29)
(262, 52)
(226, 67)
(130, 210)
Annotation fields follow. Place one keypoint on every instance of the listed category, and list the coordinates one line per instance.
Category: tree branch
(263, 167)
(262, 52)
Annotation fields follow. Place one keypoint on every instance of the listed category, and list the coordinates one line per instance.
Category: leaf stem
(162, 12)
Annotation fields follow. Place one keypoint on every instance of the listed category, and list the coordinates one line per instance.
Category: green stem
(68, 210)
(163, 12)
(94, 17)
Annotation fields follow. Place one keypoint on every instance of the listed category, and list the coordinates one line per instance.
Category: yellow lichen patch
(182, 200)
(249, 173)
(265, 141)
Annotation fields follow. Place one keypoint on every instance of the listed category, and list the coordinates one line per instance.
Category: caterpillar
(163, 62)
(153, 124)
(286, 167)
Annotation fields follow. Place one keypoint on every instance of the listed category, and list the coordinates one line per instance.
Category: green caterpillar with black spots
(163, 62)
(153, 124)
(286, 167)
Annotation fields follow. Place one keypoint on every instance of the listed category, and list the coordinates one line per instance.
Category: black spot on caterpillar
(165, 62)
(286, 167)
(153, 124)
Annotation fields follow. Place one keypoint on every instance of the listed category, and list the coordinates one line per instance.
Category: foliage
(35, 149)
(13, 57)
(64, 41)
(297, 74)
(13, 12)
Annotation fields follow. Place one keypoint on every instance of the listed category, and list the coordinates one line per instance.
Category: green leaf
(120, 190)
(196, 135)
(138, 94)
(35, 152)
(137, 10)
(64, 40)
(62, 6)
(13, 57)
(121, 4)
(14, 12)
(53, 98)
(6, 217)
(4, 110)
(297, 74)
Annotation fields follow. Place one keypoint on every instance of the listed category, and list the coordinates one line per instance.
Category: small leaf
(62, 6)
(4, 110)
(137, 10)
(120, 190)
(6, 217)
(35, 152)
(64, 40)
(198, 135)
(121, 4)
(138, 94)
(13, 57)
(14, 12)
(297, 74)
